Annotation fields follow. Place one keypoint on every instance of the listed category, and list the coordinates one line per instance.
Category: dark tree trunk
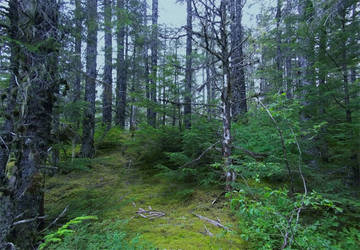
(35, 118)
(188, 71)
(279, 57)
(78, 40)
(154, 59)
(87, 147)
(7, 210)
(121, 72)
(288, 65)
(107, 94)
(239, 105)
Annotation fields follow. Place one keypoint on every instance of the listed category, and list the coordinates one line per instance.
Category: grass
(113, 191)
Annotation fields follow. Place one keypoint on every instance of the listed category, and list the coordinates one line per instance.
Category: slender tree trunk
(87, 147)
(154, 59)
(121, 71)
(107, 94)
(279, 57)
(78, 40)
(288, 65)
(188, 71)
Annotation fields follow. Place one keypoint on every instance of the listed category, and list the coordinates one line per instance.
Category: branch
(200, 156)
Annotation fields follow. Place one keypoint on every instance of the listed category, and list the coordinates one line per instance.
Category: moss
(114, 192)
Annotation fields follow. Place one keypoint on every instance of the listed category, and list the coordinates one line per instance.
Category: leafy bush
(105, 235)
(265, 217)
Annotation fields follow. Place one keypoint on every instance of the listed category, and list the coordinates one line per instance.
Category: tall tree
(36, 26)
(239, 105)
(78, 42)
(107, 94)
(121, 71)
(154, 59)
(188, 71)
(87, 147)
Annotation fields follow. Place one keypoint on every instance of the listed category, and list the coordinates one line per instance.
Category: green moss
(114, 192)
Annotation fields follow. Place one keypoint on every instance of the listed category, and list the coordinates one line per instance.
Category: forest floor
(115, 190)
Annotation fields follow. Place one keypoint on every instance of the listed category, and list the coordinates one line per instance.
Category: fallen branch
(217, 198)
(57, 218)
(28, 220)
(150, 214)
(207, 232)
(214, 222)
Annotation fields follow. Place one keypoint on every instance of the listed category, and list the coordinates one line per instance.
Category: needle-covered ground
(114, 190)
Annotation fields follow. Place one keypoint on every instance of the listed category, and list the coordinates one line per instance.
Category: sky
(174, 14)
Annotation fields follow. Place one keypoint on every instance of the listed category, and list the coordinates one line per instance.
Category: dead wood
(214, 222)
(150, 214)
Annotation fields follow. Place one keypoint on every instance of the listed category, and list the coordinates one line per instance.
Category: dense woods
(262, 114)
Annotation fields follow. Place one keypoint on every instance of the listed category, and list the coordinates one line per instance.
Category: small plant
(63, 231)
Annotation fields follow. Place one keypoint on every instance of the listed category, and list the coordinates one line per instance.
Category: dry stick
(282, 143)
(200, 156)
(214, 222)
(28, 220)
(217, 198)
(57, 218)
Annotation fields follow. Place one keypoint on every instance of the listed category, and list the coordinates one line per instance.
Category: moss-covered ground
(114, 190)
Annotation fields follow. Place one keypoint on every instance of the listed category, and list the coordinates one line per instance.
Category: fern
(63, 231)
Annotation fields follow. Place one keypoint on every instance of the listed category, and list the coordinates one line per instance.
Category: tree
(239, 105)
(87, 147)
(107, 93)
(217, 30)
(154, 59)
(188, 71)
(121, 69)
(34, 25)
(78, 42)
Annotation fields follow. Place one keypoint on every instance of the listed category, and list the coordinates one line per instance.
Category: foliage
(270, 214)
(62, 232)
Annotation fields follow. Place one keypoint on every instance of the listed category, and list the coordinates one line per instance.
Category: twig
(200, 156)
(217, 198)
(28, 220)
(57, 218)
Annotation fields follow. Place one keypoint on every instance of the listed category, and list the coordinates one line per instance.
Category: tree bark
(121, 71)
(154, 59)
(239, 105)
(188, 71)
(87, 147)
(107, 94)
(78, 41)
(35, 118)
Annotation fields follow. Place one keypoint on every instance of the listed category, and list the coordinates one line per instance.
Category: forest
(179, 124)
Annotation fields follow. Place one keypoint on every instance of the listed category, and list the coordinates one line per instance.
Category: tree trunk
(239, 105)
(121, 71)
(107, 94)
(78, 40)
(279, 59)
(154, 59)
(188, 71)
(87, 147)
(35, 122)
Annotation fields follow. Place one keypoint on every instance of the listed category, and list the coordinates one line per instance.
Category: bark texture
(107, 94)
(87, 146)
(188, 71)
(121, 72)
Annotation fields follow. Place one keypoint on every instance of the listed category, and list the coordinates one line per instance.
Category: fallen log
(214, 222)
